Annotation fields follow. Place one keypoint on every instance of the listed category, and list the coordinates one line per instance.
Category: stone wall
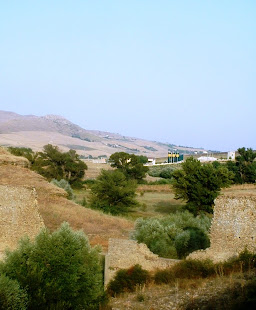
(233, 228)
(18, 216)
(123, 254)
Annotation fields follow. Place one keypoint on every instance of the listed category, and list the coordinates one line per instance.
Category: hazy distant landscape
(127, 155)
(35, 132)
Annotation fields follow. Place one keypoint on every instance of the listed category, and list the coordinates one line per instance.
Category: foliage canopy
(174, 236)
(244, 168)
(199, 184)
(12, 297)
(130, 164)
(54, 164)
(113, 193)
(58, 270)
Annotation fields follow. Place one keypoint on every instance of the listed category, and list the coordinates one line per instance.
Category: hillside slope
(55, 208)
(35, 132)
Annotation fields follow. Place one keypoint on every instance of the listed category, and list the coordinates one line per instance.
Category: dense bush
(59, 270)
(126, 280)
(186, 269)
(174, 236)
(64, 185)
(12, 297)
(161, 171)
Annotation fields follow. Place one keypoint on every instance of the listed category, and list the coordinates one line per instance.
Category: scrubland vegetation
(172, 219)
(190, 284)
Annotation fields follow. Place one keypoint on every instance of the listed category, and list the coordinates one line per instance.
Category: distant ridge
(36, 131)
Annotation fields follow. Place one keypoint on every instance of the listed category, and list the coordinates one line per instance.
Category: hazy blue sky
(182, 72)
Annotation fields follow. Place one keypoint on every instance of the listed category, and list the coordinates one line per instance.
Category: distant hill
(36, 131)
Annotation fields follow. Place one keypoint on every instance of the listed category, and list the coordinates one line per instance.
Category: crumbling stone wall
(19, 216)
(233, 228)
(124, 254)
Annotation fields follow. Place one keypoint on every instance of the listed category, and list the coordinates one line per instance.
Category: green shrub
(186, 269)
(162, 171)
(64, 185)
(126, 280)
(173, 236)
(59, 270)
(12, 297)
(194, 269)
(164, 276)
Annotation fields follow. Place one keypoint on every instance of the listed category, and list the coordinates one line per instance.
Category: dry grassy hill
(35, 132)
(55, 208)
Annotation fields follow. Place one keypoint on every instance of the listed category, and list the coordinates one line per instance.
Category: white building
(231, 155)
(206, 158)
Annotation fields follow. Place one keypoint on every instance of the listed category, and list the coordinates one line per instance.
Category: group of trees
(54, 164)
(114, 190)
(58, 270)
(199, 184)
(244, 167)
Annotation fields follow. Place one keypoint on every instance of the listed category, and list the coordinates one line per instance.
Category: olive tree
(59, 270)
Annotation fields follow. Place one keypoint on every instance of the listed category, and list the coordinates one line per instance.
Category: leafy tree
(130, 164)
(199, 184)
(12, 297)
(142, 159)
(59, 270)
(113, 193)
(244, 168)
(54, 164)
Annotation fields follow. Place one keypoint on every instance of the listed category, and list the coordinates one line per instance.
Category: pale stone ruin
(19, 216)
(233, 228)
(123, 254)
